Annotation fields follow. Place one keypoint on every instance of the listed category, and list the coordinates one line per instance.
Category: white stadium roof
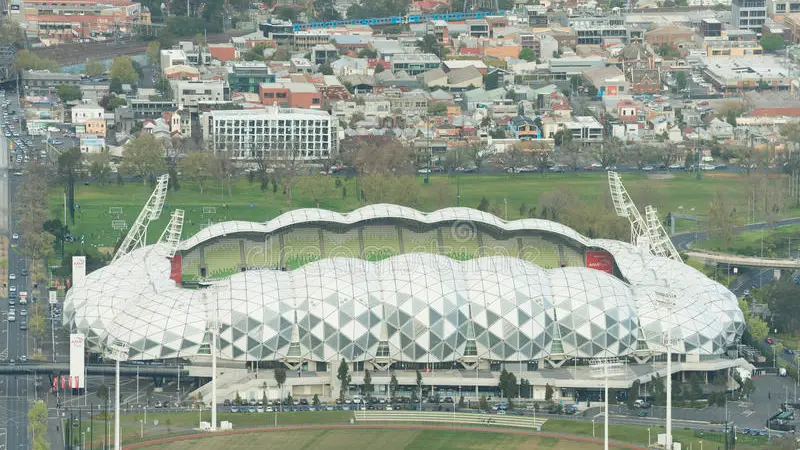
(423, 307)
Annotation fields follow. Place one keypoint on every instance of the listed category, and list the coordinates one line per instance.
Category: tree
(100, 166)
(483, 403)
(508, 384)
(26, 60)
(326, 69)
(115, 87)
(238, 399)
(164, 87)
(198, 167)
(429, 44)
(782, 300)
(748, 387)
(144, 157)
(419, 383)
(484, 205)
(633, 394)
(722, 220)
(153, 53)
(368, 387)
(280, 377)
(527, 54)
(772, 43)
(122, 69)
(393, 386)
(12, 32)
(37, 425)
(477, 154)
(379, 68)
(548, 392)
(680, 81)
(344, 378)
(609, 152)
(102, 392)
(69, 93)
(437, 109)
(93, 68)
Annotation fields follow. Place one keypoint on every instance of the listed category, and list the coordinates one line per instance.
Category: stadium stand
(459, 248)
(572, 257)
(499, 247)
(265, 253)
(190, 265)
(380, 241)
(222, 258)
(540, 251)
(347, 244)
(420, 241)
(300, 246)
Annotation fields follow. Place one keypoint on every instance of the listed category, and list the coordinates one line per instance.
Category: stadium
(390, 282)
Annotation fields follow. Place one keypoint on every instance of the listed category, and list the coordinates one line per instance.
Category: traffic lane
(683, 240)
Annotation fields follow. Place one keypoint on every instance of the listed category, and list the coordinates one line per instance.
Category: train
(397, 20)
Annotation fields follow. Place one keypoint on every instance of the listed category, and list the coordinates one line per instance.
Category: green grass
(250, 203)
(388, 439)
(749, 243)
(638, 435)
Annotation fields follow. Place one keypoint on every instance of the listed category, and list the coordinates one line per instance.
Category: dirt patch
(660, 176)
(106, 250)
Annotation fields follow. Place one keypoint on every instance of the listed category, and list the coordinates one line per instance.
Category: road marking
(748, 413)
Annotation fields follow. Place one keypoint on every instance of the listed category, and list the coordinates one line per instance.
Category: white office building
(189, 94)
(303, 134)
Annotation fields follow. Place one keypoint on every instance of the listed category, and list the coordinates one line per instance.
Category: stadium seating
(190, 265)
(460, 248)
(263, 253)
(380, 242)
(345, 244)
(499, 247)
(571, 256)
(420, 242)
(540, 251)
(300, 246)
(222, 258)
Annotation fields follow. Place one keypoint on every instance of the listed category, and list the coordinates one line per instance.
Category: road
(684, 241)
(18, 390)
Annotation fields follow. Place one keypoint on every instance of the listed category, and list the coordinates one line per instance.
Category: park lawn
(386, 439)
(637, 434)
(680, 193)
(748, 243)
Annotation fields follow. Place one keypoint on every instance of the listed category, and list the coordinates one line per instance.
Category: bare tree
(722, 220)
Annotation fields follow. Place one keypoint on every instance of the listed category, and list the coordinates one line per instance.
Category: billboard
(78, 269)
(175, 269)
(77, 344)
(52, 296)
(600, 260)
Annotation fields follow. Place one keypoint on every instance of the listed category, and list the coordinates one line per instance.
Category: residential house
(609, 81)
(290, 95)
(523, 127)
(324, 54)
(720, 129)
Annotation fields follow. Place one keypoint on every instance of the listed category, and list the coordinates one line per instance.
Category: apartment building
(44, 82)
(782, 8)
(286, 133)
(172, 57)
(189, 94)
(599, 30)
(287, 94)
(748, 14)
(726, 49)
(247, 76)
(59, 21)
(414, 63)
(86, 111)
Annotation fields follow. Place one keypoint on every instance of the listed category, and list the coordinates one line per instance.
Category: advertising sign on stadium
(77, 344)
(599, 260)
(175, 269)
(78, 269)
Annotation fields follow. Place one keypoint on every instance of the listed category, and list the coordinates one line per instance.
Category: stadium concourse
(458, 294)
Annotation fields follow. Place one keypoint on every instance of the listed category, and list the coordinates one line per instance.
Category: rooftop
(269, 111)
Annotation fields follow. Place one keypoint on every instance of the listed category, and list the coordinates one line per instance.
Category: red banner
(55, 383)
(175, 268)
(63, 382)
(599, 260)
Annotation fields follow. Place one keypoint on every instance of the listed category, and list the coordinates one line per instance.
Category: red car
(770, 341)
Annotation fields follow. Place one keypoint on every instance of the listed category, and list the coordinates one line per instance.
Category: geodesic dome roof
(413, 307)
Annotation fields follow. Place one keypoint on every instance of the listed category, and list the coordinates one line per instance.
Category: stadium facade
(389, 286)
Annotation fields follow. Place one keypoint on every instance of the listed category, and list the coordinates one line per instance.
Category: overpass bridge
(744, 261)
(95, 369)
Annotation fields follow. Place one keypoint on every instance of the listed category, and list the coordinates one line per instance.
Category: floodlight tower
(667, 300)
(171, 236)
(660, 243)
(118, 351)
(624, 207)
(606, 367)
(137, 235)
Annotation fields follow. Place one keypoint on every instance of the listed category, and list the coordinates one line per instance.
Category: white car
(15, 236)
(12, 288)
(12, 276)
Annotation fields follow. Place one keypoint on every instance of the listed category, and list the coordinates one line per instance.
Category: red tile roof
(775, 112)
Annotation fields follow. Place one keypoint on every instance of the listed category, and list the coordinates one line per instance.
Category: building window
(315, 101)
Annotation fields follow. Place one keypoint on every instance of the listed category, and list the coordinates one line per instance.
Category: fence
(451, 418)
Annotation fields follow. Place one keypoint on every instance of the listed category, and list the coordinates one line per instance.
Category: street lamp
(606, 367)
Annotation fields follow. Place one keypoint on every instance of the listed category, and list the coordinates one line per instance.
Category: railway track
(74, 53)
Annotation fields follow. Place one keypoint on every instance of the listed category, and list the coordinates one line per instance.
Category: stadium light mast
(667, 300)
(606, 367)
(117, 351)
(214, 336)
(137, 235)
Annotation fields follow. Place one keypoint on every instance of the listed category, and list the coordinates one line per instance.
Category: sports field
(678, 192)
(383, 439)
